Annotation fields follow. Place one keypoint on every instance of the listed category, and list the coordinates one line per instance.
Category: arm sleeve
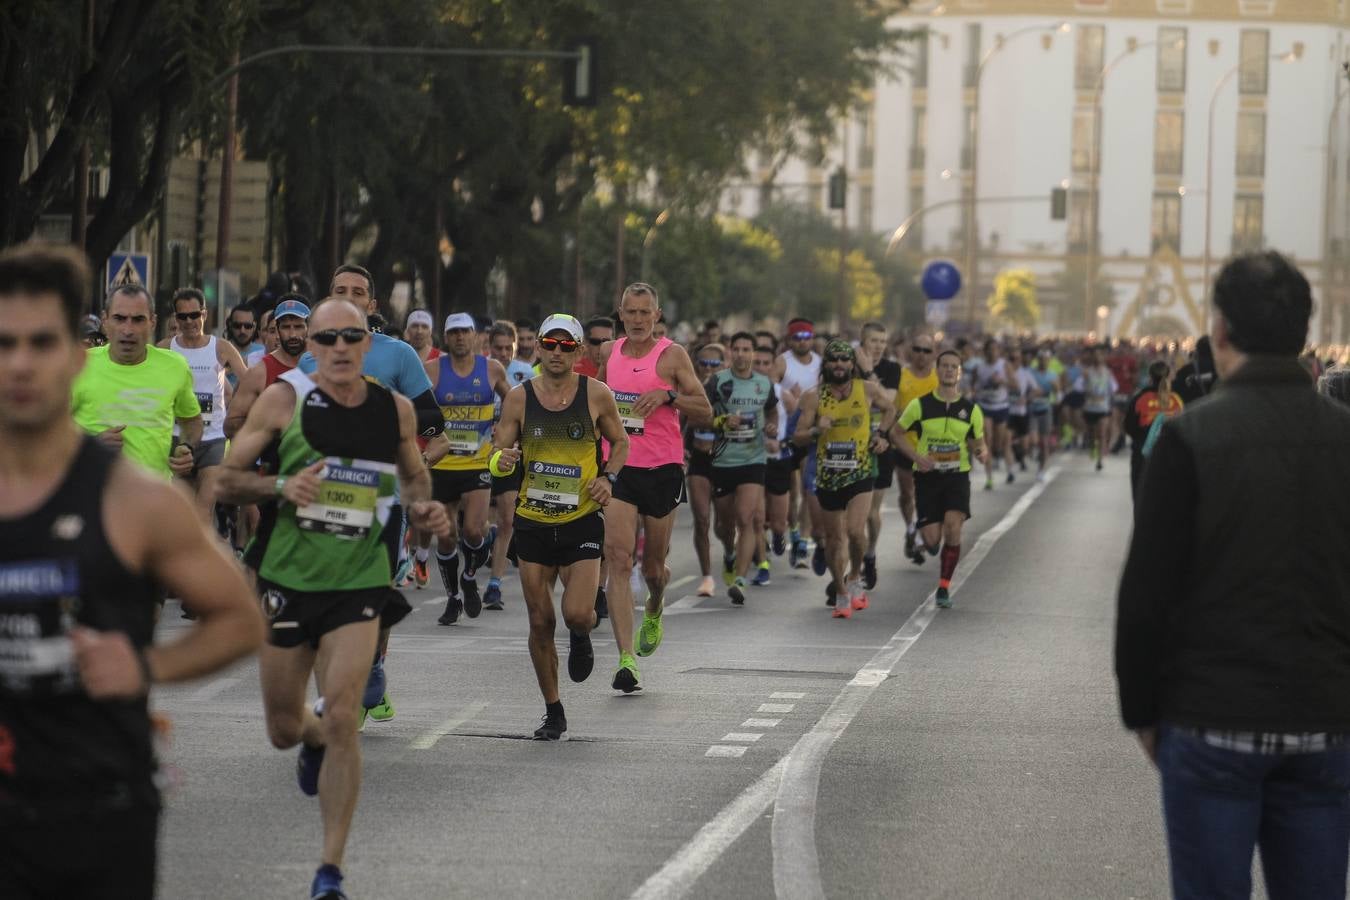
(772, 403)
(430, 420)
(1156, 572)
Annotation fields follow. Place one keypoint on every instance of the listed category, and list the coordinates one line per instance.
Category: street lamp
(1287, 57)
(661, 218)
(1094, 161)
(1000, 42)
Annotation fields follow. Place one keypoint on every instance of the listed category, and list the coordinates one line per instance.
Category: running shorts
(509, 484)
(778, 477)
(100, 855)
(655, 492)
(836, 501)
(449, 486)
(700, 464)
(561, 544)
(938, 493)
(1075, 399)
(1092, 418)
(208, 454)
(301, 618)
(1018, 425)
(726, 479)
(1041, 423)
(886, 463)
(997, 416)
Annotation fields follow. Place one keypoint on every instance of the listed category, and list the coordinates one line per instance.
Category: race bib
(946, 456)
(631, 423)
(207, 402)
(463, 441)
(38, 601)
(740, 428)
(345, 506)
(551, 489)
(840, 456)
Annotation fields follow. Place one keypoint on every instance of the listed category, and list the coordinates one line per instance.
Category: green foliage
(1013, 302)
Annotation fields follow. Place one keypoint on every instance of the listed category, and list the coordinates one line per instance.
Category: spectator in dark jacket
(1233, 619)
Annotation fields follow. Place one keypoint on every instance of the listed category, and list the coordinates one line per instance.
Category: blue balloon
(941, 280)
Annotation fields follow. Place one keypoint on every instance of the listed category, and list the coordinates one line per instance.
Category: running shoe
(649, 634)
(778, 544)
(818, 564)
(829, 594)
(580, 656)
(421, 571)
(989, 483)
(857, 597)
(729, 568)
(403, 577)
(375, 685)
(917, 557)
(327, 884)
(870, 571)
(1011, 478)
(384, 711)
(452, 608)
(601, 604)
(552, 728)
(737, 592)
(842, 610)
(762, 577)
(943, 598)
(473, 603)
(626, 677)
(1099, 465)
(706, 587)
(492, 597)
(909, 542)
(799, 555)
(309, 762)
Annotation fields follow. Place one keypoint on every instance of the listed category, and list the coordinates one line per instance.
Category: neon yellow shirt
(146, 398)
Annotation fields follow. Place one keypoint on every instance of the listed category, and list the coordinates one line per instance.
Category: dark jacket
(1234, 607)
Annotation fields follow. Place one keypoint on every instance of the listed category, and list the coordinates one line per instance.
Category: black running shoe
(452, 608)
(737, 592)
(580, 657)
(829, 594)
(909, 542)
(818, 564)
(601, 604)
(473, 603)
(551, 728)
(869, 572)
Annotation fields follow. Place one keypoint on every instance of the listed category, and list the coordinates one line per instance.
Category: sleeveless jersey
(275, 368)
(800, 374)
(334, 543)
(62, 754)
(208, 383)
(739, 409)
(842, 454)
(561, 458)
(655, 440)
(991, 395)
(466, 404)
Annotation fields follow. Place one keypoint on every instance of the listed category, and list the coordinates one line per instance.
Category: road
(907, 752)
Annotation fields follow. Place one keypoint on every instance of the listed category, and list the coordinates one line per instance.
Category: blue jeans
(1220, 804)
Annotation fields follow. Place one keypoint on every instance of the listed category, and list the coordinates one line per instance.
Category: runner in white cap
(417, 332)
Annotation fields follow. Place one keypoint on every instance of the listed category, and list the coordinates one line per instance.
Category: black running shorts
(837, 500)
(300, 618)
(510, 484)
(938, 493)
(559, 545)
(99, 856)
(449, 486)
(886, 463)
(727, 479)
(655, 492)
(1019, 425)
(778, 477)
(700, 464)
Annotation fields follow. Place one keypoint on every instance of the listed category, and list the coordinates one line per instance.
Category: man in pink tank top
(653, 382)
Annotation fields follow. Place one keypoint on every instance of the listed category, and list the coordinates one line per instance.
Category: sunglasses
(329, 337)
(188, 316)
(839, 359)
(803, 335)
(243, 326)
(709, 363)
(921, 349)
(595, 342)
(566, 346)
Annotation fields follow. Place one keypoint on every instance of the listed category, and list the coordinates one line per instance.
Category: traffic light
(1059, 204)
(838, 189)
(579, 88)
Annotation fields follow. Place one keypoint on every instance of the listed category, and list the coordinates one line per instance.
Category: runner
(88, 543)
(241, 327)
(886, 372)
(417, 334)
(699, 442)
(558, 417)
(210, 359)
(917, 378)
(778, 467)
(466, 386)
(836, 416)
(526, 340)
(502, 346)
(653, 381)
(130, 394)
(800, 371)
(745, 419)
(1099, 386)
(1020, 387)
(947, 428)
(991, 380)
(599, 331)
(1040, 408)
(267, 332)
(342, 442)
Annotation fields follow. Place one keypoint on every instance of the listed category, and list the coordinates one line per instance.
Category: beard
(831, 376)
(293, 346)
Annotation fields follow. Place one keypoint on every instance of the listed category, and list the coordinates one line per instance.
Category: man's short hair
(526, 324)
(40, 267)
(131, 290)
(641, 287)
(949, 352)
(241, 308)
(502, 327)
(872, 326)
(711, 324)
(359, 270)
(1265, 302)
(599, 322)
(741, 336)
(189, 293)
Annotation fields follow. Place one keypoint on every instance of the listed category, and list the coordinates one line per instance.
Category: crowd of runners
(336, 455)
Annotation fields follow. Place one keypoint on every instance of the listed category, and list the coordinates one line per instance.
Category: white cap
(419, 317)
(459, 320)
(564, 322)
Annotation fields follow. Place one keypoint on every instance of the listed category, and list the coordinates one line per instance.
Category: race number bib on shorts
(840, 456)
(345, 506)
(631, 423)
(946, 456)
(552, 489)
(38, 600)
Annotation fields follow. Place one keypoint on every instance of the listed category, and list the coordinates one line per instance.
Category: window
(1089, 56)
(1253, 61)
(920, 73)
(1172, 59)
(1080, 220)
(1251, 144)
(1166, 226)
(1248, 222)
(1082, 150)
(916, 204)
(865, 208)
(919, 139)
(1168, 141)
(971, 71)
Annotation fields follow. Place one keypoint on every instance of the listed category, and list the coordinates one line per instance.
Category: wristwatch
(280, 483)
(613, 478)
(673, 395)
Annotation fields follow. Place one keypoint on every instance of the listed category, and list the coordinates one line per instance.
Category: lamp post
(1328, 197)
(661, 218)
(1287, 57)
(1094, 177)
(972, 260)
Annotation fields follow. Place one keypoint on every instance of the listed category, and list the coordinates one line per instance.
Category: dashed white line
(725, 751)
(760, 723)
(776, 707)
(428, 740)
(742, 737)
(786, 695)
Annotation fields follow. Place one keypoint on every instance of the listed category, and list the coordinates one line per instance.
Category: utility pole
(227, 169)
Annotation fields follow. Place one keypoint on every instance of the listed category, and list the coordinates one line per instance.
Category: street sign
(128, 268)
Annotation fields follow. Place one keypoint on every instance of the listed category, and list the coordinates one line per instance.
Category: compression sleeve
(430, 421)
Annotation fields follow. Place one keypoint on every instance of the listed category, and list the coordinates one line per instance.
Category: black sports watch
(613, 478)
(673, 395)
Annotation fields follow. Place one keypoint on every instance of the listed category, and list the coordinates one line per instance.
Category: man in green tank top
(343, 443)
(550, 425)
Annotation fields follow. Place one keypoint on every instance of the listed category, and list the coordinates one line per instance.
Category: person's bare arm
(413, 478)
(190, 429)
(691, 400)
(803, 436)
(507, 432)
(602, 370)
(497, 378)
(610, 426)
(227, 355)
(250, 387)
(883, 400)
(165, 343)
(239, 483)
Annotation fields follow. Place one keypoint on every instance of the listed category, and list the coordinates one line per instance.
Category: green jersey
(740, 406)
(335, 543)
(146, 398)
(942, 428)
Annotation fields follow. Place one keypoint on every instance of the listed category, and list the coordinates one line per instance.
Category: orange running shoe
(420, 571)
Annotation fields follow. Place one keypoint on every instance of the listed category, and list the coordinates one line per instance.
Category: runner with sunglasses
(836, 416)
(653, 383)
(872, 345)
(917, 378)
(550, 430)
(241, 329)
(343, 442)
(699, 442)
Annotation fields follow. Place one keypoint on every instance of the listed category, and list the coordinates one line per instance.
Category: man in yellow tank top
(917, 379)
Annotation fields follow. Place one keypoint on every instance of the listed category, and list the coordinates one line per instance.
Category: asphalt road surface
(907, 752)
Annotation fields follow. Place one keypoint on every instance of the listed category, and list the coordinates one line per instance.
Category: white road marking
(760, 723)
(680, 582)
(213, 690)
(776, 707)
(786, 695)
(428, 740)
(681, 871)
(434, 600)
(725, 751)
(742, 737)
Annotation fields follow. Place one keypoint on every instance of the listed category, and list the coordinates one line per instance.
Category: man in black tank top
(79, 805)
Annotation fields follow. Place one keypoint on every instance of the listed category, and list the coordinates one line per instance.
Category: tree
(1013, 302)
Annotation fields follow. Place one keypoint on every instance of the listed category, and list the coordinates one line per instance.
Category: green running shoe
(626, 678)
(649, 634)
(384, 711)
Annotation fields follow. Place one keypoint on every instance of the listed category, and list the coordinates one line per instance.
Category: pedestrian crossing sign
(128, 268)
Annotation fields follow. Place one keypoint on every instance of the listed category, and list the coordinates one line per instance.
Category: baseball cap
(459, 320)
(561, 322)
(419, 317)
(290, 308)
